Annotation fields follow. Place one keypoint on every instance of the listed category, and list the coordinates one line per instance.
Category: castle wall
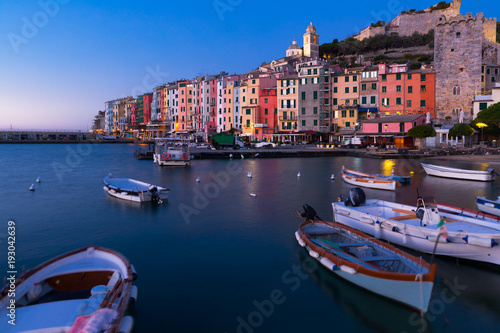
(490, 29)
(370, 32)
(458, 60)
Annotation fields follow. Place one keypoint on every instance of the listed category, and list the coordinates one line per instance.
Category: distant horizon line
(13, 129)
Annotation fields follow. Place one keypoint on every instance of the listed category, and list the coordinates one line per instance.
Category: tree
(459, 130)
(490, 116)
(422, 131)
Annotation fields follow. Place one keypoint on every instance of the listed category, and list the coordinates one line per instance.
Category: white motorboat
(488, 206)
(86, 290)
(366, 180)
(465, 174)
(171, 152)
(134, 190)
(368, 263)
(416, 227)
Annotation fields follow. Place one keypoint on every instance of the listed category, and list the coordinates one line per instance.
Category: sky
(60, 60)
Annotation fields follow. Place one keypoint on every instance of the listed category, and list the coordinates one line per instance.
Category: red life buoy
(184, 156)
(165, 156)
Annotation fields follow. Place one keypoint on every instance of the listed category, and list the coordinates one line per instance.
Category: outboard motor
(355, 197)
(309, 213)
(155, 197)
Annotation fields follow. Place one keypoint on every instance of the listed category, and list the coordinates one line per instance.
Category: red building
(406, 92)
(147, 100)
(267, 118)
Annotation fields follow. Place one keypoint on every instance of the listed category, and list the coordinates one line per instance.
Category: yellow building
(345, 97)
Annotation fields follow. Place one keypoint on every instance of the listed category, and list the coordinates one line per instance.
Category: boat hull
(444, 172)
(370, 183)
(422, 238)
(171, 161)
(488, 206)
(132, 190)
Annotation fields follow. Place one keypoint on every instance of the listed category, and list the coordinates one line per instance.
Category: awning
(368, 109)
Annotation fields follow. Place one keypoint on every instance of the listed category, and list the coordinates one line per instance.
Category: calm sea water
(216, 259)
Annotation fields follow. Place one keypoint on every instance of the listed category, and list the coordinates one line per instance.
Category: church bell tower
(311, 42)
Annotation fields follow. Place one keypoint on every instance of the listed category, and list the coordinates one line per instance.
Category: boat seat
(403, 217)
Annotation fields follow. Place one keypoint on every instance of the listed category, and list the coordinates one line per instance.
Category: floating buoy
(198, 179)
(32, 187)
(256, 154)
(242, 156)
(38, 180)
(249, 175)
(392, 171)
(332, 177)
(253, 194)
(230, 155)
(298, 175)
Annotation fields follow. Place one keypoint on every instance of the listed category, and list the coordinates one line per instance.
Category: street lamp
(385, 137)
(481, 126)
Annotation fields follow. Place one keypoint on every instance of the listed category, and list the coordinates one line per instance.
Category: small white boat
(134, 190)
(332, 177)
(171, 152)
(86, 290)
(465, 174)
(417, 227)
(488, 206)
(32, 187)
(367, 180)
(371, 264)
(249, 175)
(39, 180)
(298, 175)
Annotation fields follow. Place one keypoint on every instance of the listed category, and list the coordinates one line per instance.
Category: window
(315, 71)
(248, 122)
(266, 112)
(408, 103)
(347, 102)
(385, 101)
(346, 90)
(248, 111)
(309, 72)
(492, 79)
(347, 124)
(458, 35)
(384, 89)
(483, 106)
(315, 110)
(335, 90)
(401, 127)
(456, 90)
(410, 90)
(351, 113)
(374, 86)
(253, 81)
(422, 103)
(335, 101)
(496, 71)
(303, 123)
(423, 78)
(355, 102)
(398, 101)
(344, 113)
(380, 127)
(355, 78)
(253, 90)
(265, 101)
(315, 122)
(315, 95)
(363, 87)
(398, 76)
(488, 71)
(347, 79)
(373, 100)
(335, 79)
(398, 88)
(409, 76)
(303, 110)
(423, 88)
(303, 95)
(363, 100)
(354, 89)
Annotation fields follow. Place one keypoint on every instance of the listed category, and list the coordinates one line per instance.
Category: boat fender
(366, 219)
(328, 264)
(348, 269)
(441, 239)
(343, 212)
(395, 229)
(299, 239)
(133, 295)
(34, 291)
(314, 254)
(378, 229)
(184, 156)
(126, 325)
(134, 273)
(479, 241)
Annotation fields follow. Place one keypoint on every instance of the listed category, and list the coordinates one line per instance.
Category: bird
(249, 175)
(332, 177)
(32, 187)
(198, 179)
(38, 180)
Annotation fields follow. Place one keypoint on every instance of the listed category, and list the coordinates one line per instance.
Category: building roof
(311, 28)
(287, 77)
(394, 119)
(294, 46)
(483, 98)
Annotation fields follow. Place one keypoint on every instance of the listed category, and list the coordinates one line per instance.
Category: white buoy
(230, 155)
(392, 171)
(32, 187)
(298, 175)
(332, 177)
(256, 154)
(38, 180)
(249, 175)
(253, 194)
(198, 179)
(242, 156)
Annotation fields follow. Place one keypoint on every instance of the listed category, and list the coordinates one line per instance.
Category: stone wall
(458, 60)
(490, 29)
(370, 32)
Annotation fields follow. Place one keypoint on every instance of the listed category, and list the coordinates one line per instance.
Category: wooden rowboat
(464, 174)
(373, 265)
(366, 180)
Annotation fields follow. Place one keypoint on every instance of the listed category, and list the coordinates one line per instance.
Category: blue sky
(62, 59)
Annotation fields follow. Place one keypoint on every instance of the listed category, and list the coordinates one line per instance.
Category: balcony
(346, 107)
(288, 118)
(287, 107)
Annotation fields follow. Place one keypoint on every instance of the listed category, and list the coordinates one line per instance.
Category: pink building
(384, 130)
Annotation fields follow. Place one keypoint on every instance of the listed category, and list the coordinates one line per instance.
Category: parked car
(264, 144)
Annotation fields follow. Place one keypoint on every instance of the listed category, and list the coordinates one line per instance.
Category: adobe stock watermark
(223, 6)
(210, 190)
(437, 305)
(153, 78)
(393, 9)
(74, 158)
(292, 279)
(31, 27)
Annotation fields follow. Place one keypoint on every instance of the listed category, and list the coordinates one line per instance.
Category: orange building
(404, 91)
(345, 96)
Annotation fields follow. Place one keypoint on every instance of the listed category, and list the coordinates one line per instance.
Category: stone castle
(408, 22)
